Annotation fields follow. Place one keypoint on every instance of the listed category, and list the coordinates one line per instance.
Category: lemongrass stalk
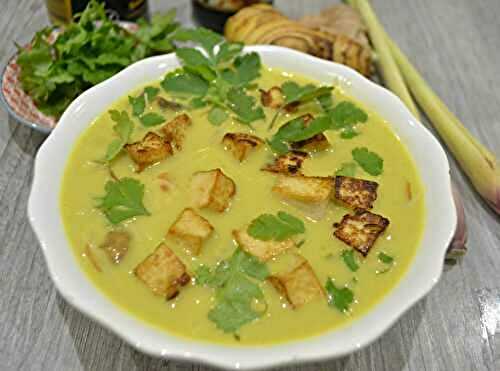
(476, 161)
(387, 65)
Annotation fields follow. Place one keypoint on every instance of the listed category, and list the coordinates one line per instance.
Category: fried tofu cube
(290, 163)
(241, 144)
(163, 272)
(361, 230)
(150, 150)
(355, 193)
(116, 245)
(298, 286)
(303, 188)
(263, 250)
(175, 130)
(212, 189)
(191, 230)
(273, 98)
(319, 142)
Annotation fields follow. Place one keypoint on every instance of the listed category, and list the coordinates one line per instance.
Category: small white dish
(424, 272)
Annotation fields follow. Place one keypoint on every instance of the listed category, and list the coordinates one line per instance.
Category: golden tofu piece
(290, 163)
(263, 250)
(319, 142)
(150, 150)
(241, 144)
(212, 189)
(355, 193)
(116, 245)
(273, 98)
(298, 286)
(191, 230)
(163, 272)
(175, 130)
(303, 188)
(361, 230)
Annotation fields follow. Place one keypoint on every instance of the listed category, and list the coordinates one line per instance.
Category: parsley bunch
(220, 77)
(88, 51)
(235, 289)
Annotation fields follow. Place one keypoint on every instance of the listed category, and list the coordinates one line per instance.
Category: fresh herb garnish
(235, 289)
(138, 104)
(217, 78)
(348, 133)
(294, 93)
(90, 50)
(123, 128)
(347, 169)
(123, 200)
(346, 114)
(151, 92)
(152, 119)
(297, 130)
(269, 227)
(384, 258)
(372, 163)
(350, 260)
(340, 298)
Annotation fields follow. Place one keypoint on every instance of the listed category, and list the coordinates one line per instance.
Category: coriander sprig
(219, 77)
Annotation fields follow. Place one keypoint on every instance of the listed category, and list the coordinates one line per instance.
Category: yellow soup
(360, 281)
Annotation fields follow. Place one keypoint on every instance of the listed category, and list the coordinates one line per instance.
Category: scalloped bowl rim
(76, 288)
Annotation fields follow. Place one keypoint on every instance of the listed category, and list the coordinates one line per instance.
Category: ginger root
(343, 42)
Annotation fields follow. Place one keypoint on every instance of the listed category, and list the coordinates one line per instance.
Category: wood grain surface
(454, 43)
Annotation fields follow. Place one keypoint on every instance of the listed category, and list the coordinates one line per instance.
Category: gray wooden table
(455, 43)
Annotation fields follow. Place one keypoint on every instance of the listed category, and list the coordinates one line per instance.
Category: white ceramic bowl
(45, 217)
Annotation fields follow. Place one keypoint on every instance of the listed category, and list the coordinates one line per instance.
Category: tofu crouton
(298, 286)
(151, 149)
(355, 193)
(212, 189)
(163, 272)
(303, 188)
(361, 230)
(191, 230)
(273, 98)
(241, 144)
(263, 250)
(175, 130)
(290, 163)
(116, 245)
(319, 142)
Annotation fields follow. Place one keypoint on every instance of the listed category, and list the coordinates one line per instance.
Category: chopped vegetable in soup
(234, 203)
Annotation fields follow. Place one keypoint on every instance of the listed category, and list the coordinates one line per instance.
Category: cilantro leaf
(206, 38)
(372, 163)
(138, 104)
(293, 92)
(244, 106)
(347, 169)
(325, 101)
(123, 200)
(269, 227)
(123, 128)
(228, 51)
(217, 116)
(198, 102)
(192, 57)
(152, 119)
(183, 82)
(384, 258)
(339, 298)
(296, 130)
(350, 260)
(246, 69)
(234, 290)
(151, 93)
(346, 114)
(348, 133)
